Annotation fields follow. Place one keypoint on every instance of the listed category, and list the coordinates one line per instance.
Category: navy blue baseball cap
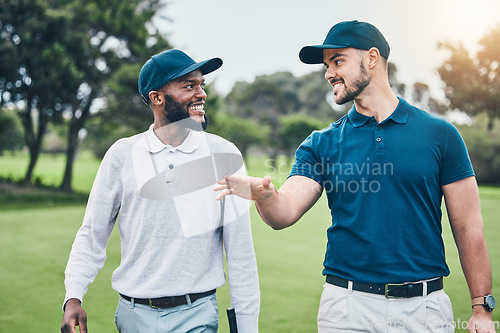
(355, 34)
(169, 65)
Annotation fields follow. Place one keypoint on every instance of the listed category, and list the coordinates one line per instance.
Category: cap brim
(314, 54)
(206, 67)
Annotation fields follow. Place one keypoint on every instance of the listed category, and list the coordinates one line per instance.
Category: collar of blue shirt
(400, 115)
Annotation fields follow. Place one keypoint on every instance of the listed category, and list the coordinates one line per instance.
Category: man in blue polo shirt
(385, 167)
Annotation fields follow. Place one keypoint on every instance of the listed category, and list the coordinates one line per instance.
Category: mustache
(334, 81)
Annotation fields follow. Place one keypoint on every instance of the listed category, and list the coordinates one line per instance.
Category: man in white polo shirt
(158, 184)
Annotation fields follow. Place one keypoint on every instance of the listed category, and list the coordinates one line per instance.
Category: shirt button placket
(379, 140)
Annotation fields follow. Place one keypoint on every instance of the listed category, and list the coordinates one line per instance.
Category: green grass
(50, 169)
(35, 244)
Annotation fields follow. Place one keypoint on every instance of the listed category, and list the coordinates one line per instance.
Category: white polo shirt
(171, 228)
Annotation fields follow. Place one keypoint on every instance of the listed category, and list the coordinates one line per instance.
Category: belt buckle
(387, 285)
(151, 304)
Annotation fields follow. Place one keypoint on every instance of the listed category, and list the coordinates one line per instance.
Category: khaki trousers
(343, 310)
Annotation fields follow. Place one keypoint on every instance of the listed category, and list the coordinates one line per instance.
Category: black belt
(169, 301)
(390, 290)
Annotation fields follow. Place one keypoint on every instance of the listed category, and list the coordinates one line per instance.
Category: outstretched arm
(462, 203)
(278, 208)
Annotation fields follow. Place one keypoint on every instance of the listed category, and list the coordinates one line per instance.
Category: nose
(330, 74)
(200, 92)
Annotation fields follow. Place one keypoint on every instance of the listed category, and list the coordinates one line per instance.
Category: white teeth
(197, 108)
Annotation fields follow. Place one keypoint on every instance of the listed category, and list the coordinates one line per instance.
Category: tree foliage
(422, 98)
(10, 131)
(122, 112)
(295, 129)
(398, 86)
(242, 132)
(473, 81)
(271, 99)
(312, 94)
(484, 149)
(33, 45)
(265, 100)
(58, 56)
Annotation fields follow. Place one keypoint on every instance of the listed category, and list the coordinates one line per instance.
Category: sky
(256, 37)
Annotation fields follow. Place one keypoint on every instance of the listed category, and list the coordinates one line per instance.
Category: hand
(74, 315)
(481, 321)
(246, 187)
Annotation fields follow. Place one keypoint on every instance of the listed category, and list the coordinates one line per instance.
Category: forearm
(82, 267)
(475, 261)
(276, 211)
(286, 206)
(464, 213)
(88, 252)
(476, 266)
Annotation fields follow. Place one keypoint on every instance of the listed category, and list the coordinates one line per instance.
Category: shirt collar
(154, 145)
(356, 118)
(399, 115)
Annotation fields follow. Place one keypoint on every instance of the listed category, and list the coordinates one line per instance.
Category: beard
(176, 112)
(361, 82)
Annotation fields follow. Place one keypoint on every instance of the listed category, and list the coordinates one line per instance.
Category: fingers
(224, 191)
(250, 188)
(266, 182)
(224, 186)
(69, 328)
(83, 324)
(481, 325)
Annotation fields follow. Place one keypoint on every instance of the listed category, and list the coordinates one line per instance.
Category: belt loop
(349, 287)
(188, 299)
(424, 288)
(132, 302)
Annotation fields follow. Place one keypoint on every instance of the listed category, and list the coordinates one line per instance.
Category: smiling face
(346, 73)
(185, 98)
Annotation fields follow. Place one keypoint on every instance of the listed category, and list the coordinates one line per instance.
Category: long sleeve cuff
(75, 291)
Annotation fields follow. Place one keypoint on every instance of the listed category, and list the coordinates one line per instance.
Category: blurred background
(68, 75)
(68, 90)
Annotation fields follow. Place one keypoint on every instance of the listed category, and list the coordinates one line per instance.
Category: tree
(398, 87)
(420, 94)
(61, 55)
(119, 33)
(484, 149)
(242, 132)
(122, 112)
(11, 137)
(33, 53)
(472, 82)
(312, 93)
(265, 100)
(295, 129)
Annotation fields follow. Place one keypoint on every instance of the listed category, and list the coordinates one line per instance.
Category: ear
(373, 56)
(155, 97)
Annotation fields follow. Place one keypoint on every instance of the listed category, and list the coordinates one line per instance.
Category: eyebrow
(335, 56)
(191, 81)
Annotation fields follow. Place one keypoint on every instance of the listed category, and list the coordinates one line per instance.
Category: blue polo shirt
(383, 183)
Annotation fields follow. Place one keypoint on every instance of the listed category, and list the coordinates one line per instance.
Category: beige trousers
(343, 310)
